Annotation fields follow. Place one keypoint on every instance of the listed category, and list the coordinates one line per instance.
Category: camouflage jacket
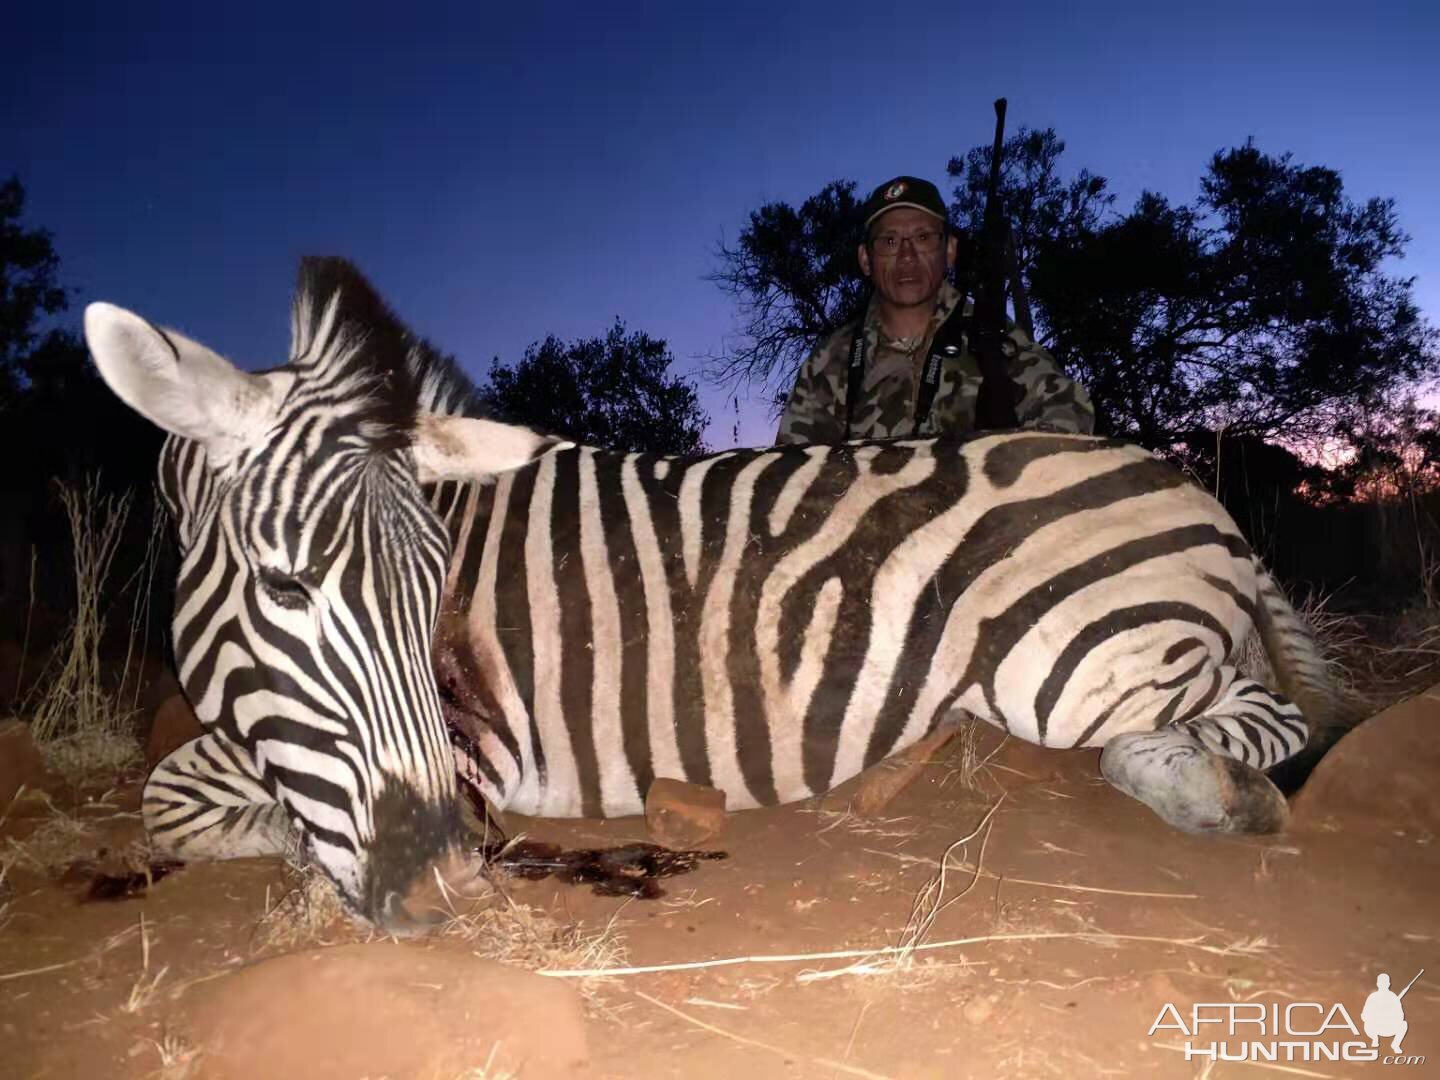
(886, 407)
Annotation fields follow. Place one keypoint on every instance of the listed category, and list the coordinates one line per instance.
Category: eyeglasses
(925, 242)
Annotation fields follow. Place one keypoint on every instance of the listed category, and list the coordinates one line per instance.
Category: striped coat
(381, 590)
(770, 622)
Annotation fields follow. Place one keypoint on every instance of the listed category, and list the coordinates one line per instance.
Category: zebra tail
(1305, 679)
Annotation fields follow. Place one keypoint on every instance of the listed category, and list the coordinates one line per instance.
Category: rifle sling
(948, 343)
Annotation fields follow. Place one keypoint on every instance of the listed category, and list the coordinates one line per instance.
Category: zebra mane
(348, 347)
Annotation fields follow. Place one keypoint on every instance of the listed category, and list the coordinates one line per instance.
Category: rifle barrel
(995, 150)
(1410, 984)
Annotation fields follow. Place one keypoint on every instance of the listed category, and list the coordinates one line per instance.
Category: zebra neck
(486, 721)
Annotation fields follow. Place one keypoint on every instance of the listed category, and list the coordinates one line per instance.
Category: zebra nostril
(412, 912)
(395, 914)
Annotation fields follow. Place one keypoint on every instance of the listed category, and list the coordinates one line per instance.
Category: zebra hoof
(1191, 788)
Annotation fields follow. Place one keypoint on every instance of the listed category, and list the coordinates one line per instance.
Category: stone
(979, 1009)
(173, 725)
(20, 763)
(682, 815)
(1381, 774)
(393, 1009)
(159, 689)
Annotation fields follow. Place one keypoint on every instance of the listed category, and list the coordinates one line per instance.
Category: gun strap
(855, 377)
(947, 344)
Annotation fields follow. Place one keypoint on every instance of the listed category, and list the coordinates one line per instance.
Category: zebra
(385, 593)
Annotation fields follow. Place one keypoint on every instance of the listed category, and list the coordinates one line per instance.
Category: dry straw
(73, 699)
(1100, 938)
(81, 727)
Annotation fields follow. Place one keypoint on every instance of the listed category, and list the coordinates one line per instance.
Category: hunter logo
(895, 190)
(1383, 1015)
(1294, 1031)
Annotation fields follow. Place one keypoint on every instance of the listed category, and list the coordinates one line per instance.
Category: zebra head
(313, 566)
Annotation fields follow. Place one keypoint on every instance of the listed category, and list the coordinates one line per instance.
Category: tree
(1044, 211)
(58, 420)
(794, 277)
(46, 375)
(1389, 454)
(795, 280)
(29, 288)
(614, 392)
(1264, 309)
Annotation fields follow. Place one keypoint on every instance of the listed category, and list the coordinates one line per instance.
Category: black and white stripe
(769, 622)
(310, 580)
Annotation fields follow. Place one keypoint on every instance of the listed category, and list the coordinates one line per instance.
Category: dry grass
(178, 1059)
(490, 1070)
(74, 698)
(885, 828)
(926, 907)
(309, 912)
(60, 840)
(94, 957)
(497, 928)
(142, 991)
(82, 728)
(1012, 879)
(1395, 656)
(1344, 643)
(965, 763)
(6, 892)
(64, 839)
(494, 927)
(142, 589)
(81, 758)
(1375, 660)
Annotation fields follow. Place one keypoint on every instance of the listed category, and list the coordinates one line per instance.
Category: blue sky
(506, 172)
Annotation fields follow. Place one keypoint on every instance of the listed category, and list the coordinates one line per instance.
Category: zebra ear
(178, 384)
(465, 448)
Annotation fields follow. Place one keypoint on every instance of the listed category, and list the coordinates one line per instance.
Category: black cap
(904, 191)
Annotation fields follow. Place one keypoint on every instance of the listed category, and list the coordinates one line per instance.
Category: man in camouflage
(906, 251)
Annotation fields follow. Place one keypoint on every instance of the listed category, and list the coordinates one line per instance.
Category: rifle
(995, 403)
(1409, 984)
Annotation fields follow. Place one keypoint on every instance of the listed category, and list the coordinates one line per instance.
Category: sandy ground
(1087, 916)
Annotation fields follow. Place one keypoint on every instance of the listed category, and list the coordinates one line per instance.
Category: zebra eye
(288, 592)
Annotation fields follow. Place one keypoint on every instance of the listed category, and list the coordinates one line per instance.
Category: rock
(387, 1009)
(20, 763)
(682, 815)
(160, 689)
(979, 1009)
(1381, 774)
(173, 726)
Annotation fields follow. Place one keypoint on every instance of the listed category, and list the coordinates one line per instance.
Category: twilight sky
(506, 171)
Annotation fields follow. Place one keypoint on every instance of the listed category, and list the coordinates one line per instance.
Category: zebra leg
(206, 801)
(1204, 774)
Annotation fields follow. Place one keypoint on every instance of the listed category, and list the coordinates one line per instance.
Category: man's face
(906, 255)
